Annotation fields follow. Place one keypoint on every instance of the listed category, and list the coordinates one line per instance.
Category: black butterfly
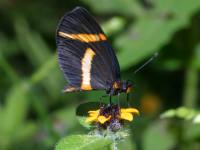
(86, 58)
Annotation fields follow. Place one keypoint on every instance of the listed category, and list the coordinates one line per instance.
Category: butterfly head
(120, 87)
(126, 86)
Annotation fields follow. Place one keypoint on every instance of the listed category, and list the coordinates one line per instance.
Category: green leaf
(181, 112)
(37, 51)
(44, 70)
(25, 131)
(8, 47)
(178, 7)
(156, 137)
(168, 114)
(31, 43)
(5, 66)
(114, 25)
(197, 119)
(83, 142)
(127, 144)
(14, 112)
(132, 42)
(132, 6)
(192, 132)
(66, 119)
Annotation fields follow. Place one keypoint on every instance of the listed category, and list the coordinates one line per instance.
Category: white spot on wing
(86, 69)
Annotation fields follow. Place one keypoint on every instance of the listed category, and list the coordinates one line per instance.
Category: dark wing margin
(78, 21)
(77, 32)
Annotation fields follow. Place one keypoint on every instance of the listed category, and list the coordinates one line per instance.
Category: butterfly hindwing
(85, 56)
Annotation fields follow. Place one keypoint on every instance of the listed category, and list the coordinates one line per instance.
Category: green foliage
(164, 20)
(156, 137)
(84, 142)
(182, 113)
(12, 118)
(126, 7)
(37, 52)
(34, 114)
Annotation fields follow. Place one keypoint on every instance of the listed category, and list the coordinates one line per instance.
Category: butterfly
(85, 56)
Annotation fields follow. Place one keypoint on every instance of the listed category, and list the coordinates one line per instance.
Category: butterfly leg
(110, 99)
(118, 103)
(127, 99)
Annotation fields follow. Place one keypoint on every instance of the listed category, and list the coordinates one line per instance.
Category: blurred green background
(35, 114)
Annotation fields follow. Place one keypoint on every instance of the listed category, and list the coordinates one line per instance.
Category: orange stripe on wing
(86, 63)
(102, 37)
(84, 37)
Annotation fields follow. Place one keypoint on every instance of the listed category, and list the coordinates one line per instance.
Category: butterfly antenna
(147, 62)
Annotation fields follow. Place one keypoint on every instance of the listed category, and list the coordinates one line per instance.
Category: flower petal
(91, 119)
(129, 110)
(103, 119)
(126, 116)
(94, 111)
(93, 115)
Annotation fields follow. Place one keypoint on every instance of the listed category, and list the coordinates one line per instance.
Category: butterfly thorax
(118, 87)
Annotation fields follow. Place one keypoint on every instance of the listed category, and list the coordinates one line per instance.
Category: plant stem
(191, 75)
(190, 93)
(191, 84)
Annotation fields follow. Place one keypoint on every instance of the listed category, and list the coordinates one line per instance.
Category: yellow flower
(110, 113)
(95, 117)
(128, 113)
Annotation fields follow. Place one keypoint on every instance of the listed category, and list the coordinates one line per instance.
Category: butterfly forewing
(85, 56)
